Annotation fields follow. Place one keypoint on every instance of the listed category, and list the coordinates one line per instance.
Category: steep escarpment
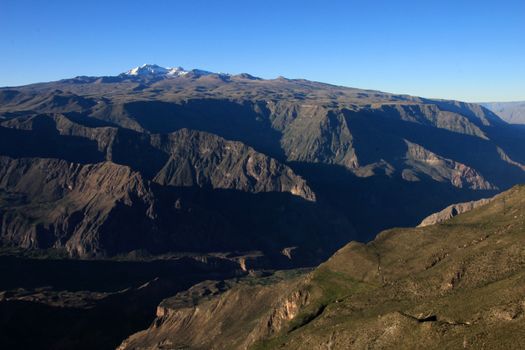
(49, 203)
(181, 158)
(363, 156)
(512, 112)
(210, 314)
(107, 209)
(320, 136)
(426, 162)
(460, 119)
(198, 191)
(205, 160)
(451, 211)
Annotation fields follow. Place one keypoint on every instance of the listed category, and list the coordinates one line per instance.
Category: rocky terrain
(127, 191)
(512, 112)
(176, 145)
(451, 211)
(456, 284)
(170, 179)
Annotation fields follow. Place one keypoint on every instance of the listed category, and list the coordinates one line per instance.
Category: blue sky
(466, 50)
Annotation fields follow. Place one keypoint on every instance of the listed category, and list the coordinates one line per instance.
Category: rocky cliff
(451, 211)
(362, 159)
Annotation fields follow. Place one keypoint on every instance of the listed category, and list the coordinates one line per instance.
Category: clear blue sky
(462, 49)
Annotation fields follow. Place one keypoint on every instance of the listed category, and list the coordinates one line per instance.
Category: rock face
(51, 203)
(456, 284)
(442, 169)
(214, 321)
(106, 209)
(205, 160)
(451, 211)
(130, 191)
(218, 155)
(182, 158)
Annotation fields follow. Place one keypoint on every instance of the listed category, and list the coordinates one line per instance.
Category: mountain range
(181, 146)
(160, 179)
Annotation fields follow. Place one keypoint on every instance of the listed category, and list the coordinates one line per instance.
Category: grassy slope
(459, 284)
(453, 285)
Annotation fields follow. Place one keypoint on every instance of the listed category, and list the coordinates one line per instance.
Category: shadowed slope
(375, 159)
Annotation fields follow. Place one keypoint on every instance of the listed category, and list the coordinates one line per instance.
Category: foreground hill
(457, 284)
(215, 162)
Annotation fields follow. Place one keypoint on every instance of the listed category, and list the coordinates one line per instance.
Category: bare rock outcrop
(206, 160)
(443, 169)
(452, 210)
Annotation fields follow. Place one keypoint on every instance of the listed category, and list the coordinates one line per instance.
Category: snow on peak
(155, 70)
(147, 69)
(177, 72)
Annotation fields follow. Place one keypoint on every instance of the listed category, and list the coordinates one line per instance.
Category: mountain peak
(176, 71)
(147, 69)
(156, 70)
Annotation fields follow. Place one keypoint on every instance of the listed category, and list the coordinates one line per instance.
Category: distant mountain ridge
(155, 70)
(250, 164)
(511, 112)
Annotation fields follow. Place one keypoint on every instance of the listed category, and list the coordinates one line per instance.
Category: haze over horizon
(467, 51)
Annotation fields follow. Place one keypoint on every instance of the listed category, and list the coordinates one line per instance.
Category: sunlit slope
(457, 284)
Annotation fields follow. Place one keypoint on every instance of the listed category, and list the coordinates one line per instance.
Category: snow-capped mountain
(156, 70)
(147, 69)
(176, 72)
